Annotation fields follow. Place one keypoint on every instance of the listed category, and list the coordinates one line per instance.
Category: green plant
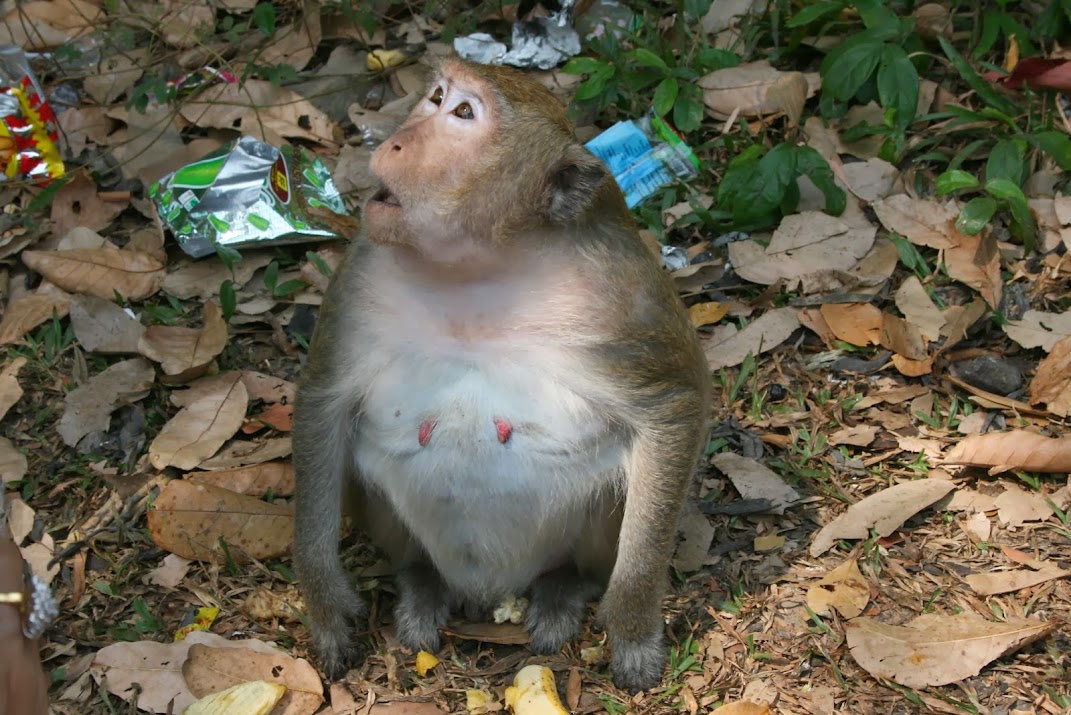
(284, 289)
(651, 69)
(760, 186)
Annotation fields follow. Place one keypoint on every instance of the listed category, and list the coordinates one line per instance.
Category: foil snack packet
(247, 193)
(29, 132)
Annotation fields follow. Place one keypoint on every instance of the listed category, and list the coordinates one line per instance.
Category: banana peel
(534, 693)
(255, 697)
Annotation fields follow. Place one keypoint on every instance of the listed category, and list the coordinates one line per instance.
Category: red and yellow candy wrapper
(29, 133)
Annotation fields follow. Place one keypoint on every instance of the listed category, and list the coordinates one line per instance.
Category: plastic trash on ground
(542, 42)
(29, 133)
(644, 155)
(247, 193)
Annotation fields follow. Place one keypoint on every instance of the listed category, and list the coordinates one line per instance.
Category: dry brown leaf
(707, 313)
(843, 588)
(1016, 449)
(811, 242)
(190, 520)
(242, 453)
(13, 463)
(82, 126)
(88, 408)
(200, 428)
(912, 368)
(259, 108)
(742, 708)
(10, 390)
(102, 272)
(256, 480)
(29, 311)
(854, 323)
(729, 346)
(754, 480)
(46, 24)
(501, 633)
(278, 416)
(171, 571)
(936, 649)
(1017, 506)
(115, 75)
(975, 261)
(294, 45)
(1037, 329)
(268, 388)
(696, 533)
(77, 203)
(923, 222)
(902, 337)
(857, 435)
(101, 326)
(202, 278)
(155, 669)
(746, 89)
(1051, 385)
(884, 512)
(209, 670)
(990, 584)
(181, 350)
(914, 302)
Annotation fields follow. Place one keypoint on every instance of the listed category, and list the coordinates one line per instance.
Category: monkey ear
(574, 183)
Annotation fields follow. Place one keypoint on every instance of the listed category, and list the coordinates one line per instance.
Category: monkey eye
(464, 111)
(436, 97)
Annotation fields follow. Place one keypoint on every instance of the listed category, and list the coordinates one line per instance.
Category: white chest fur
(485, 441)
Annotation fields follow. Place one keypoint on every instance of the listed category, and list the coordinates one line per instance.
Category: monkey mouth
(385, 196)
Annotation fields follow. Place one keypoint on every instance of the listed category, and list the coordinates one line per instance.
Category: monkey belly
(493, 470)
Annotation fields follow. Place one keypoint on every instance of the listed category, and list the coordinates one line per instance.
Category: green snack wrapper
(249, 193)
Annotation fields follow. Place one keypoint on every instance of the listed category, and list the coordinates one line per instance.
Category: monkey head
(483, 159)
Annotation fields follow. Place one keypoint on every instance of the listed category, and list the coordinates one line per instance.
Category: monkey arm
(665, 394)
(325, 417)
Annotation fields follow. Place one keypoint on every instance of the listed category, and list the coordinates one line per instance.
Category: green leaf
(264, 18)
(876, 15)
(697, 8)
(229, 256)
(898, 84)
(982, 88)
(1006, 161)
(228, 299)
(583, 65)
(643, 56)
(590, 88)
(976, 214)
(812, 164)
(687, 114)
(320, 263)
(1022, 221)
(1056, 144)
(814, 11)
(848, 66)
(955, 180)
(712, 58)
(271, 276)
(288, 288)
(665, 95)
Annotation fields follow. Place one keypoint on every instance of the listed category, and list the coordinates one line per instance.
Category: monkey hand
(335, 616)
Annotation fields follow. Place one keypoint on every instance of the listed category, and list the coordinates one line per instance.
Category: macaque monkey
(503, 385)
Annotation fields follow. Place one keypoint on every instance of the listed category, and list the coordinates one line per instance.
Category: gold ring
(15, 598)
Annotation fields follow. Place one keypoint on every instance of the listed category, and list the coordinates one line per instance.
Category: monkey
(503, 387)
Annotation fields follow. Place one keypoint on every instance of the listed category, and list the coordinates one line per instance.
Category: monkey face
(428, 165)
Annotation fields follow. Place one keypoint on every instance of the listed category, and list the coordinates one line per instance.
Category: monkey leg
(423, 606)
(558, 605)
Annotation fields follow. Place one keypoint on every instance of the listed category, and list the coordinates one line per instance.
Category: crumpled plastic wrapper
(29, 132)
(249, 193)
(644, 155)
(542, 42)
